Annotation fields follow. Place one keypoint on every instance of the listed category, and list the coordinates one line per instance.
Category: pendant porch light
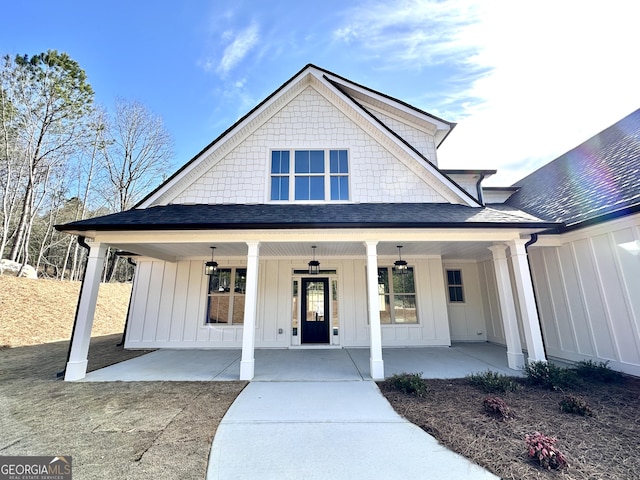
(211, 267)
(314, 265)
(400, 265)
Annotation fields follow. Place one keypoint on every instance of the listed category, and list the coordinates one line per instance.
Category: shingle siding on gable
(421, 141)
(309, 121)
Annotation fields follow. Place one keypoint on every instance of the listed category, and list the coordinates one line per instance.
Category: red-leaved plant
(497, 407)
(542, 449)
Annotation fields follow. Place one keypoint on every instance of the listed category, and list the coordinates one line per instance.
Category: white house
(324, 171)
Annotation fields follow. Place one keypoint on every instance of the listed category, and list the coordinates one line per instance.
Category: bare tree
(11, 166)
(44, 100)
(85, 172)
(136, 155)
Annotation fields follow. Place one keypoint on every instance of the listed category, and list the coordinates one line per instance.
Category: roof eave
(82, 230)
(628, 210)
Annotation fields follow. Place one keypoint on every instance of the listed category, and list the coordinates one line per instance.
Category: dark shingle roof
(366, 215)
(595, 181)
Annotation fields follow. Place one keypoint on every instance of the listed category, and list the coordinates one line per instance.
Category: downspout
(479, 189)
(82, 243)
(532, 240)
(126, 322)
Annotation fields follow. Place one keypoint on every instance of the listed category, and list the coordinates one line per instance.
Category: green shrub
(497, 407)
(493, 382)
(410, 383)
(542, 449)
(597, 372)
(550, 376)
(577, 405)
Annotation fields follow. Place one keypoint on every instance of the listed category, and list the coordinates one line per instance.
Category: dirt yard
(133, 430)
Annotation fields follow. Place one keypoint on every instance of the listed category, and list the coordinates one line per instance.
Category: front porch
(321, 364)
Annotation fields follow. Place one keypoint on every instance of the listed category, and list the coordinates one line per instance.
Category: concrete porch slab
(324, 365)
(321, 365)
(173, 365)
(457, 361)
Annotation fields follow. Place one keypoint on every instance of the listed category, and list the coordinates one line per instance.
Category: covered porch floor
(309, 364)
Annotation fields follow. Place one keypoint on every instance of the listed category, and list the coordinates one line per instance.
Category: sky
(524, 81)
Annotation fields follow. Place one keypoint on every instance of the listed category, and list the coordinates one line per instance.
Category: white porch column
(247, 361)
(376, 364)
(526, 300)
(515, 357)
(77, 364)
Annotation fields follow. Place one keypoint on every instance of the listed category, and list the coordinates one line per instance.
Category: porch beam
(497, 235)
(247, 362)
(78, 355)
(376, 363)
(515, 358)
(526, 301)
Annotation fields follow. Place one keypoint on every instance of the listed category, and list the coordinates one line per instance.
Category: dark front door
(315, 310)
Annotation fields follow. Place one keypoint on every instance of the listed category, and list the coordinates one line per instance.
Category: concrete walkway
(326, 430)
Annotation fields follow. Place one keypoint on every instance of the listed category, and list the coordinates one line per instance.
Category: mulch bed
(602, 446)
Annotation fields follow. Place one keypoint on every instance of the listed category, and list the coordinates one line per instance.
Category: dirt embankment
(40, 311)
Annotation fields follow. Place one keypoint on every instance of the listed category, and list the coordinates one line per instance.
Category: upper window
(316, 175)
(279, 175)
(454, 282)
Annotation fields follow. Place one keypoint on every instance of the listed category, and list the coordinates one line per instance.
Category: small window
(309, 174)
(397, 296)
(279, 175)
(454, 282)
(339, 170)
(225, 298)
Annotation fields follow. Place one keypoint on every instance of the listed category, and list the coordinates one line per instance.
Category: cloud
(525, 81)
(556, 74)
(239, 48)
(410, 33)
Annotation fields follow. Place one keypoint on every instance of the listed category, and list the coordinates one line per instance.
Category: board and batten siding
(588, 292)
(494, 327)
(467, 319)
(168, 306)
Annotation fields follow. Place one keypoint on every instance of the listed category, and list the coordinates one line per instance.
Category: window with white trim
(225, 297)
(454, 285)
(397, 296)
(280, 175)
(316, 175)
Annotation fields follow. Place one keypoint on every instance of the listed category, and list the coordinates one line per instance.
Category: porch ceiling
(325, 249)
